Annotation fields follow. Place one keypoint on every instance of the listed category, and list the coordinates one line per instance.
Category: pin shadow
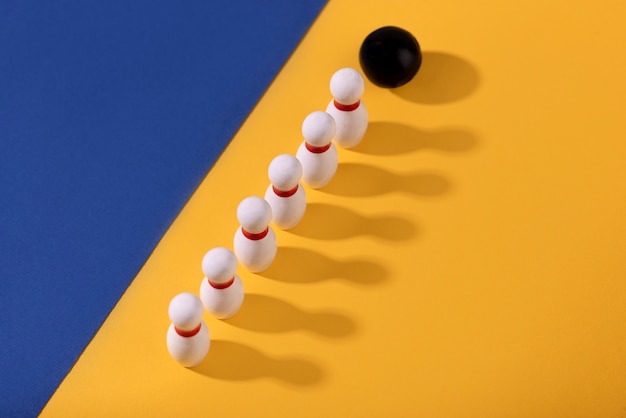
(330, 222)
(228, 360)
(360, 180)
(300, 265)
(266, 314)
(390, 138)
(442, 78)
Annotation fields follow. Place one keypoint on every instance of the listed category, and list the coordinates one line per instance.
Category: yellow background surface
(468, 259)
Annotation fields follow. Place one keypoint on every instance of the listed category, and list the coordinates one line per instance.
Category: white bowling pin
(285, 194)
(221, 290)
(317, 153)
(188, 338)
(347, 108)
(255, 241)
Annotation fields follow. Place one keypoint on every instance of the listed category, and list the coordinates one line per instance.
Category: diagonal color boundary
(110, 116)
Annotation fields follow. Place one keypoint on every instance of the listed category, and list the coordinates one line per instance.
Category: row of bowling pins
(221, 291)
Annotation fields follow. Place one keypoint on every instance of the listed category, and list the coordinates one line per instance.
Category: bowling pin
(255, 241)
(349, 112)
(221, 290)
(317, 153)
(188, 338)
(285, 194)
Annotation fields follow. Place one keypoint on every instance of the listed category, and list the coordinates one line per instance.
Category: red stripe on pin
(287, 193)
(222, 285)
(188, 334)
(316, 150)
(347, 108)
(255, 237)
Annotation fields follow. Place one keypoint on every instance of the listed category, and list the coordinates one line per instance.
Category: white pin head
(285, 172)
(219, 265)
(254, 214)
(186, 311)
(347, 86)
(318, 128)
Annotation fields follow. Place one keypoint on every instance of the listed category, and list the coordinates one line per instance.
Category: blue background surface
(111, 113)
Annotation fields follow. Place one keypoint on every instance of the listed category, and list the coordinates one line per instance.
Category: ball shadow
(330, 222)
(299, 265)
(390, 138)
(228, 360)
(442, 78)
(266, 314)
(360, 180)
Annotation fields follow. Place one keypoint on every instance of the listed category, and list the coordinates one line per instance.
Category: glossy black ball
(390, 57)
